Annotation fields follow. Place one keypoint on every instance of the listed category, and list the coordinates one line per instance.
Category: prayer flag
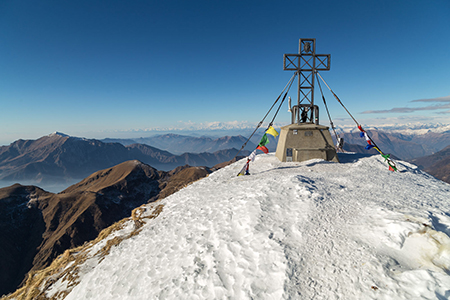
(367, 138)
(263, 149)
(264, 140)
(252, 155)
(392, 167)
(272, 131)
(244, 170)
(386, 156)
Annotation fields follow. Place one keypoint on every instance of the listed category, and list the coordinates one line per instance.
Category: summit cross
(306, 63)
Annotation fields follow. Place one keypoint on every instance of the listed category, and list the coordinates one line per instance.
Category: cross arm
(306, 62)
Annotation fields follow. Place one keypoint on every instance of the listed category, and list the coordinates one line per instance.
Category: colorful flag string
(371, 144)
(261, 146)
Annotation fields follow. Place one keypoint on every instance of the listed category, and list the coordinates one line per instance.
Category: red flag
(263, 149)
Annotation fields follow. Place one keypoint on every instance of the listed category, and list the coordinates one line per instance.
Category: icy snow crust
(311, 230)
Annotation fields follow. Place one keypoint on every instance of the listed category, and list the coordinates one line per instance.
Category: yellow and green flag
(272, 131)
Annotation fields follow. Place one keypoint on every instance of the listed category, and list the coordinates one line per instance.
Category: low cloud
(439, 99)
(201, 126)
(216, 125)
(444, 112)
(413, 109)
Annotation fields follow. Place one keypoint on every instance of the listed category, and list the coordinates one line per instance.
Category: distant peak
(56, 133)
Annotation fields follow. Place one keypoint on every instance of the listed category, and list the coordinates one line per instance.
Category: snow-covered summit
(63, 135)
(310, 230)
(56, 133)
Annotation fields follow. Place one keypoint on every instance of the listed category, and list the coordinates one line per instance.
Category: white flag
(252, 155)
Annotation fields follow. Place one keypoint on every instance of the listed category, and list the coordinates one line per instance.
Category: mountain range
(400, 144)
(36, 226)
(403, 146)
(65, 159)
(62, 159)
(179, 144)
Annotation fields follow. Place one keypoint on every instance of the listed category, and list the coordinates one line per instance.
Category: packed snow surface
(310, 230)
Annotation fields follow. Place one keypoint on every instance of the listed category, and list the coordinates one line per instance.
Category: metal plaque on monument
(305, 139)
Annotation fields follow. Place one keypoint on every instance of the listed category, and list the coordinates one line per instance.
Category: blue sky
(119, 68)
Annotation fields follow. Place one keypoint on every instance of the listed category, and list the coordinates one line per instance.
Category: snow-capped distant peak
(56, 133)
(410, 128)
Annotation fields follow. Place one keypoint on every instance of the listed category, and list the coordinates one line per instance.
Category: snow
(56, 133)
(310, 230)
(406, 129)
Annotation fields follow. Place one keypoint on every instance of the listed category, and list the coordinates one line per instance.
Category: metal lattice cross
(306, 63)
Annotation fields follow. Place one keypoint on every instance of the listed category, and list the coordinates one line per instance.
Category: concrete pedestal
(305, 141)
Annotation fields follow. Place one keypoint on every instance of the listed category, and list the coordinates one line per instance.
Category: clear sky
(118, 68)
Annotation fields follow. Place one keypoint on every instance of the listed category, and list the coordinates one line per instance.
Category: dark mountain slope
(21, 230)
(433, 141)
(37, 226)
(437, 164)
(57, 157)
(180, 177)
(81, 211)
